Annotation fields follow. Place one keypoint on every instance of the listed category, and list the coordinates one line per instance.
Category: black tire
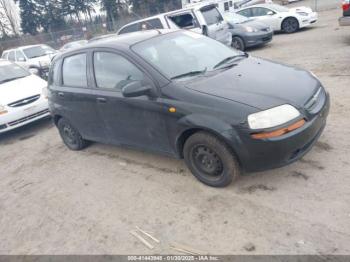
(238, 43)
(70, 135)
(210, 160)
(290, 25)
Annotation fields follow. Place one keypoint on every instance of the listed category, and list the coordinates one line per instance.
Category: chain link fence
(58, 39)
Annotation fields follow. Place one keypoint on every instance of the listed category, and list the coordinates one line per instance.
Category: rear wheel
(238, 43)
(210, 160)
(70, 136)
(290, 25)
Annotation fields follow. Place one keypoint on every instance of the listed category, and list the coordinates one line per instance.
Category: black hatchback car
(188, 96)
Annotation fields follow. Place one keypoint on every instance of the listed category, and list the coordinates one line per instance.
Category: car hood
(43, 61)
(259, 83)
(20, 89)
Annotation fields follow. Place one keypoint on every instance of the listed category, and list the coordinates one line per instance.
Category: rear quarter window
(74, 71)
(183, 20)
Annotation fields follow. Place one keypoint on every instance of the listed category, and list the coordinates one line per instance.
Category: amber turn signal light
(279, 132)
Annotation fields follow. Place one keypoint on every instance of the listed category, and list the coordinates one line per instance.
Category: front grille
(265, 29)
(315, 104)
(3, 127)
(24, 119)
(25, 101)
(266, 38)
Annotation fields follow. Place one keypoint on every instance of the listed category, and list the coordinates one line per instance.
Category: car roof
(197, 6)
(21, 47)
(270, 6)
(124, 40)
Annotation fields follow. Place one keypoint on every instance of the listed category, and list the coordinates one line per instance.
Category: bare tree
(9, 17)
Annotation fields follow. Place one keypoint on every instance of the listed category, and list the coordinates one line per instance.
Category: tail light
(346, 5)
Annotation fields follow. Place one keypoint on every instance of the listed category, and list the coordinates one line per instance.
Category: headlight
(273, 117)
(2, 110)
(250, 29)
(302, 13)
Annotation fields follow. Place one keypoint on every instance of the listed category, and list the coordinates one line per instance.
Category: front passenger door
(136, 122)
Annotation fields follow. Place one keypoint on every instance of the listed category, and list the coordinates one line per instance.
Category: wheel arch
(186, 134)
(288, 17)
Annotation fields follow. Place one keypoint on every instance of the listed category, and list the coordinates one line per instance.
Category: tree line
(55, 15)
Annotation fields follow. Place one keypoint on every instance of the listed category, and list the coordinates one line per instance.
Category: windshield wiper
(191, 73)
(228, 59)
(10, 79)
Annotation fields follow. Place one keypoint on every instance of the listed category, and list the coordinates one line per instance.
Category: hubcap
(207, 161)
(236, 44)
(291, 25)
(69, 135)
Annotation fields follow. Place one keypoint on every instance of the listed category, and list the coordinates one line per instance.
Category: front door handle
(60, 94)
(101, 100)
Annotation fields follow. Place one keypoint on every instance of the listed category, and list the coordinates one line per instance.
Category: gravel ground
(54, 201)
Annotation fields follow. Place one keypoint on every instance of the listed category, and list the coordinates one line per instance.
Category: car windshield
(37, 51)
(236, 18)
(10, 72)
(279, 8)
(185, 54)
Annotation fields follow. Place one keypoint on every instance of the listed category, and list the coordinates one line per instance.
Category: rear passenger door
(73, 98)
(136, 122)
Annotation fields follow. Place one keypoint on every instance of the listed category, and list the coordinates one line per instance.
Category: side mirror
(34, 71)
(135, 89)
(270, 13)
(21, 59)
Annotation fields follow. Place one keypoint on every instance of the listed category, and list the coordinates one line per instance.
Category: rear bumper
(344, 21)
(255, 39)
(259, 155)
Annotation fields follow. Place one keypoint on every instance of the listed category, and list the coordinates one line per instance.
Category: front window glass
(37, 51)
(10, 72)
(182, 52)
(113, 71)
(183, 20)
(20, 57)
(212, 16)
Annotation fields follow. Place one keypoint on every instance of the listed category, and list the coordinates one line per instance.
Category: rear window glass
(151, 24)
(11, 56)
(212, 16)
(130, 29)
(74, 71)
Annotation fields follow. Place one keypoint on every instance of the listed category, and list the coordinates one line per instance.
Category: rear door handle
(60, 94)
(101, 100)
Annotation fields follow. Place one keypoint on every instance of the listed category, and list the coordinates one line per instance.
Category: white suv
(34, 57)
(202, 18)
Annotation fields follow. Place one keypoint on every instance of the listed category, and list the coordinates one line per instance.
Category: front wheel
(238, 43)
(70, 136)
(290, 25)
(210, 160)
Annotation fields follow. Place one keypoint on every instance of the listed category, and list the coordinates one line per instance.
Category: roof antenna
(141, 18)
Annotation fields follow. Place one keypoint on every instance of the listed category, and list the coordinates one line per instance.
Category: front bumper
(259, 38)
(20, 116)
(311, 19)
(259, 155)
(344, 21)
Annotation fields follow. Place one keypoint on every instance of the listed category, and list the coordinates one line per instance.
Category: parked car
(345, 20)
(281, 18)
(247, 32)
(201, 18)
(74, 44)
(21, 96)
(185, 95)
(34, 57)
